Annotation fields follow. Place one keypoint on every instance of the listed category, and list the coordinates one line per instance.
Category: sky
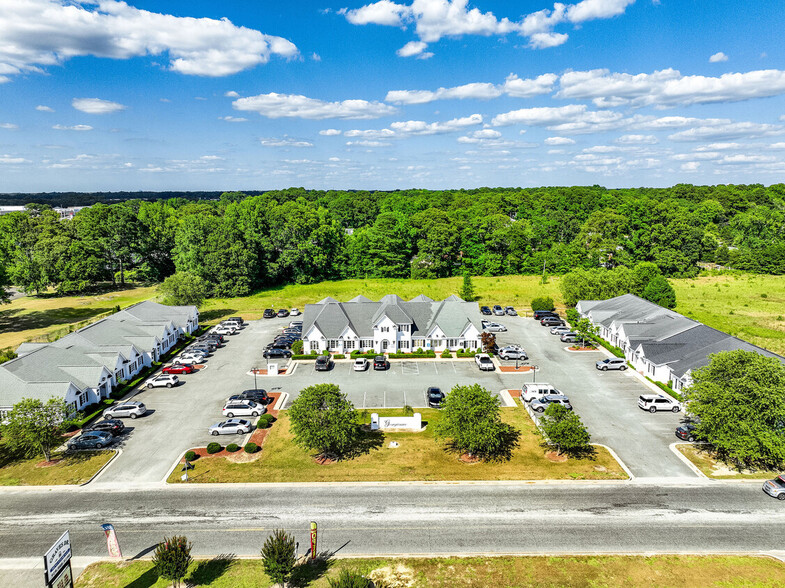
(105, 95)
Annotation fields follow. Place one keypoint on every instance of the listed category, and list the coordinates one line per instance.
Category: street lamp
(254, 370)
(534, 374)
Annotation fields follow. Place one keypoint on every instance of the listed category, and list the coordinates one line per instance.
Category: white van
(532, 391)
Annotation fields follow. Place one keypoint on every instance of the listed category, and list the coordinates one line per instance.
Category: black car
(269, 313)
(113, 426)
(435, 397)
(686, 432)
(279, 345)
(283, 313)
(541, 314)
(258, 395)
(239, 319)
(211, 343)
(291, 331)
(213, 336)
(485, 310)
(276, 352)
(323, 363)
(380, 363)
(552, 321)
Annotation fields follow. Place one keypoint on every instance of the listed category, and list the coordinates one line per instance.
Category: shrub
(446, 353)
(339, 356)
(251, 447)
(419, 350)
(572, 316)
(278, 556)
(297, 347)
(213, 447)
(265, 421)
(172, 557)
(190, 456)
(543, 303)
(232, 447)
(565, 429)
(350, 579)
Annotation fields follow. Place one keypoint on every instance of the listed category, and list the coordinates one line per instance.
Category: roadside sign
(65, 579)
(58, 556)
(112, 544)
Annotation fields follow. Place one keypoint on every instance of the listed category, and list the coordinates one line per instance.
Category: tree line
(239, 243)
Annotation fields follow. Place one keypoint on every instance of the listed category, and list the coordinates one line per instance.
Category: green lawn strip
(75, 468)
(479, 572)
(419, 457)
(714, 468)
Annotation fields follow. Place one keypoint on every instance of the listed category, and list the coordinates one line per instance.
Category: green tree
(171, 558)
(471, 422)
(543, 303)
(642, 274)
(738, 402)
(184, 289)
(660, 292)
(33, 427)
(467, 290)
(324, 420)
(564, 429)
(585, 330)
(278, 556)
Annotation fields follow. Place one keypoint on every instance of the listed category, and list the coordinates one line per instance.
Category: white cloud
(211, 158)
(513, 86)
(668, 87)
(233, 119)
(315, 56)
(410, 128)
(518, 88)
(436, 19)
(96, 105)
(73, 128)
(8, 159)
(39, 33)
(745, 158)
(367, 143)
(559, 141)
(737, 130)
(637, 139)
(570, 119)
(330, 132)
(690, 166)
(42, 108)
(718, 57)
(648, 123)
(297, 106)
(284, 142)
(718, 147)
(231, 94)
(779, 145)
(8, 126)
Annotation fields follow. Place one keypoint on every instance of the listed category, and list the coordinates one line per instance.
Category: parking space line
(384, 398)
(452, 363)
(404, 397)
(364, 393)
(436, 368)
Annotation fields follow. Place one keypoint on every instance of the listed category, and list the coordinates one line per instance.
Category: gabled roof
(55, 364)
(421, 298)
(327, 300)
(453, 298)
(360, 298)
(149, 311)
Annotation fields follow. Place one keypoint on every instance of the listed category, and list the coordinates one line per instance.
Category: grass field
(72, 469)
(419, 457)
(477, 572)
(30, 317)
(719, 470)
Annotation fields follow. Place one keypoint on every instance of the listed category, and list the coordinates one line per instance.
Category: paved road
(395, 519)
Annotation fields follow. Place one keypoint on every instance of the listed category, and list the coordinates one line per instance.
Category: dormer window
(403, 328)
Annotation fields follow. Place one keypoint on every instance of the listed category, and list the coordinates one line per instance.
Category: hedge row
(612, 348)
(667, 389)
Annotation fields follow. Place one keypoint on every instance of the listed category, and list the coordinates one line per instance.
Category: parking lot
(606, 401)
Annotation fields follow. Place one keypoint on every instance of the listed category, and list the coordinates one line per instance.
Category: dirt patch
(322, 460)
(50, 463)
(398, 576)
(469, 459)
(512, 368)
(556, 457)
(515, 393)
(573, 348)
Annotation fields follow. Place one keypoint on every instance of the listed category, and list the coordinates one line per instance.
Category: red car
(183, 368)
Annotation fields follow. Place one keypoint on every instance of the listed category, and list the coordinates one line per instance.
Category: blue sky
(248, 94)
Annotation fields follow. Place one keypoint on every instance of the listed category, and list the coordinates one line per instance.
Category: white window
(366, 343)
(651, 367)
(385, 329)
(403, 328)
(333, 343)
(452, 343)
(403, 344)
(472, 344)
(82, 398)
(418, 343)
(348, 344)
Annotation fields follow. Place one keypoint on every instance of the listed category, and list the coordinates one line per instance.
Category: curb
(615, 456)
(281, 401)
(117, 453)
(673, 447)
(508, 400)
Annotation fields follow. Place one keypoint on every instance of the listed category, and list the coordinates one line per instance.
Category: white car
(231, 427)
(361, 364)
(162, 381)
(294, 312)
(655, 402)
(224, 330)
(495, 328)
(513, 352)
(484, 362)
(190, 357)
(243, 408)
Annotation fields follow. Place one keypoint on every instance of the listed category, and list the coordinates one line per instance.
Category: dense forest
(239, 243)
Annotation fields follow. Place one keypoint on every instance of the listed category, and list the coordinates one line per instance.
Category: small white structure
(412, 423)
(272, 369)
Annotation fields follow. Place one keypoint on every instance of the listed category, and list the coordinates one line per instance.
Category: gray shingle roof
(150, 311)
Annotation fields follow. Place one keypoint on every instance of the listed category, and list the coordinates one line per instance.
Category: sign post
(313, 540)
(112, 544)
(57, 563)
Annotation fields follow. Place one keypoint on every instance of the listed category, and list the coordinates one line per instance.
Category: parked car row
(248, 403)
(281, 346)
(498, 310)
(281, 313)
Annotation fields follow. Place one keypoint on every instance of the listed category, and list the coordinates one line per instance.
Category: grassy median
(418, 457)
(75, 468)
(712, 467)
(480, 572)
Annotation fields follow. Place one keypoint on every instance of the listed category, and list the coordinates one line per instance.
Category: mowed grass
(419, 457)
(72, 469)
(748, 306)
(714, 468)
(478, 572)
(30, 317)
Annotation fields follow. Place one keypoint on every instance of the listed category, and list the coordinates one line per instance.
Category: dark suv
(541, 314)
(113, 426)
(269, 313)
(551, 321)
(323, 363)
(276, 352)
(257, 395)
(485, 310)
(380, 363)
(435, 397)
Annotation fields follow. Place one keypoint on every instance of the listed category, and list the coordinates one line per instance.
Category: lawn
(719, 470)
(479, 572)
(72, 469)
(419, 457)
(35, 317)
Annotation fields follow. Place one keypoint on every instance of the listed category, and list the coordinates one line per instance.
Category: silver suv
(129, 408)
(611, 363)
(543, 402)
(512, 352)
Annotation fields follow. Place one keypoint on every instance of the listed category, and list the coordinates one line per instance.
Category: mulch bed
(48, 464)
(258, 436)
(512, 368)
(469, 459)
(321, 460)
(556, 457)
(582, 348)
(515, 393)
(263, 372)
